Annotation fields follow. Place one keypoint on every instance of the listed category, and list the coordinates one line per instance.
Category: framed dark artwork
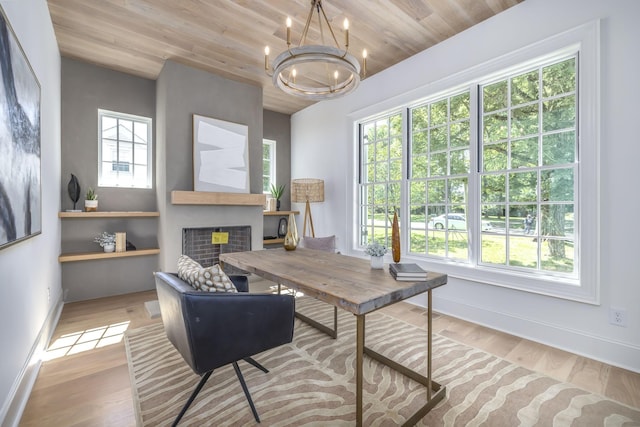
(20, 174)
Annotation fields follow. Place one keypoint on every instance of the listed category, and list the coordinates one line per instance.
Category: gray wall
(277, 127)
(85, 89)
(182, 91)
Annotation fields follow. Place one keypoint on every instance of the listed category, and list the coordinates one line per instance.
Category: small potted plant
(376, 251)
(91, 201)
(277, 192)
(107, 241)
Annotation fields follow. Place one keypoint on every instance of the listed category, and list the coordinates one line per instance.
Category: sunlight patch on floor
(78, 342)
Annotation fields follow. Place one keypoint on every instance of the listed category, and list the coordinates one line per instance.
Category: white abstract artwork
(220, 156)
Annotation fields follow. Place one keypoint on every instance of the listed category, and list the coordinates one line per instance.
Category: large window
(124, 154)
(439, 177)
(495, 178)
(268, 165)
(381, 176)
(528, 187)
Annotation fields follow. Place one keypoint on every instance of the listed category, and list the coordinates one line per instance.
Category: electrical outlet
(618, 317)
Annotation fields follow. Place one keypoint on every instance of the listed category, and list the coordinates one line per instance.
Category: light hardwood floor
(92, 387)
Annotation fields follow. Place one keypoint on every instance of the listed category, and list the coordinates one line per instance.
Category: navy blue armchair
(212, 329)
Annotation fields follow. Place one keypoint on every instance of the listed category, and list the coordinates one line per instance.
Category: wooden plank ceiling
(227, 37)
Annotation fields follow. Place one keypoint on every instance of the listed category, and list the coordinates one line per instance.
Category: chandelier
(316, 72)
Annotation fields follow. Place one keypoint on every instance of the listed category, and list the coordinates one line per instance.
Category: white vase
(109, 248)
(91, 205)
(377, 262)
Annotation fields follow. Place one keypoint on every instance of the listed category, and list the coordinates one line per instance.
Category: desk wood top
(346, 282)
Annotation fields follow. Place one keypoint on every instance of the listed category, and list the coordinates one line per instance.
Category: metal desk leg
(359, 363)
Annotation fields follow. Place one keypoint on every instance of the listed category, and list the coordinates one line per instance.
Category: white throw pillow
(210, 279)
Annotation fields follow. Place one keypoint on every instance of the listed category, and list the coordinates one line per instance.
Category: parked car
(454, 221)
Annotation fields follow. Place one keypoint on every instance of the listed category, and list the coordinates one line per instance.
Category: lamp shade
(307, 189)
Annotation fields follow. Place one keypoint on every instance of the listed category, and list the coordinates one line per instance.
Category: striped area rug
(311, 383)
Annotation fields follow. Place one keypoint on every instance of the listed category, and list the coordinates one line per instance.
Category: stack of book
(407, 272)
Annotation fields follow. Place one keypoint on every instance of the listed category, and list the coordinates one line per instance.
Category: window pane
(419, 167)
(419, 118)
(125, 152)
(382, 129)
(559, 113)
(559, 78)
(494, 157)
(494, 97)
(493, 249)
(523, 187)
(558, 256)
(140, 154)
(109, 127)
(436, 191)
(125, 130)
(458, 193)
(141, 132)
(460, 134)
(439, 114)
(418, 193)
(557, 185)
(524, 88)
(460, 106)
(524, 121)
(523, 252)
(493, 188)
(438, 139)
(522, 219)
(140, 176)
(495, 127)
(524, 153)
(438, 164)
(559, 148)
(460, 162)
(419, 143)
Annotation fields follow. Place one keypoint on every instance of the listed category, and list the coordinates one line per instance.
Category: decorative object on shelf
(282, 227)
(277, 192)
(220, 156)
(314, 71)
(20, 134)
(291, 238)
(121, 241)
(271, 204)
(395, 237)
(91, 201)
(130, 246)
(74, 192)
(107, 241)
(376, 251)
(307, 190)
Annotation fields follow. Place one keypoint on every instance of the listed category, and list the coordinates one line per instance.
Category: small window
(268, 165)
(124, 154)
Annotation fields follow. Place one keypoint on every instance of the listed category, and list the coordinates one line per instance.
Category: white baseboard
(603, 349)
(16, 401)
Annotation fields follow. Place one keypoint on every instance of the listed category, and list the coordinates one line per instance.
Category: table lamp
(307, 190)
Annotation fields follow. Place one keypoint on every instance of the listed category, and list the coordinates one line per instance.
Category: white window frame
(272, 170)
(102, 181)
(585, 42)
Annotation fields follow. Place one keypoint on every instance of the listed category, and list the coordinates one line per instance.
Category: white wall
(30, 289)
(322, 147)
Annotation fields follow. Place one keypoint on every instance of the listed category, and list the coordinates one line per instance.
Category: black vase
(277, 204)
(74, 190)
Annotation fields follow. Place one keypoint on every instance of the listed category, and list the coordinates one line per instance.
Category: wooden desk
(348, 283)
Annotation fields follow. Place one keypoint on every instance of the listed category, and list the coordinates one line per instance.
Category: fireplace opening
(203, 244)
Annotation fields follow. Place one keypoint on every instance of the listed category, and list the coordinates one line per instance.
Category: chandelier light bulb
(266, 58)
(288, 31)
(266, 50)
(346, 33)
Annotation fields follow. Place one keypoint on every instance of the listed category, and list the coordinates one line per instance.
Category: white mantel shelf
(207, 198)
